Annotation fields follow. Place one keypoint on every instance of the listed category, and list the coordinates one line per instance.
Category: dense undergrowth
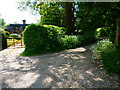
(108, 55)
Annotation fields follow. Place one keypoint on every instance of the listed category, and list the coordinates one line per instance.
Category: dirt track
(67, 69)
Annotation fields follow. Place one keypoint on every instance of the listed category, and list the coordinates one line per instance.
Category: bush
(102, 46)
(110, 57)
(111, 61)
(4, 41)
(6, 34)
(86, 38)
(42, 38)
(70, 42)
(14, 35)
(103, 32)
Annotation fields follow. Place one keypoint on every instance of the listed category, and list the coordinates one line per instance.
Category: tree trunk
(117, 36)
(69, 16)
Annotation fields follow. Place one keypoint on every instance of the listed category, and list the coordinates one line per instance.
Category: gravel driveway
(67, 69)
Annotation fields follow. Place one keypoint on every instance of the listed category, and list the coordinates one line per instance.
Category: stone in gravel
(79, 50)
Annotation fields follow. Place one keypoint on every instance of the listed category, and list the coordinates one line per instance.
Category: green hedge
(14, 35)
(42, 38)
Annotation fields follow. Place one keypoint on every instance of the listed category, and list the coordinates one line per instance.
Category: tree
(54, 13)
(69, 16)
(51, 12)
(83, 16)
(91, 16)
(2, 23)
(117, 36)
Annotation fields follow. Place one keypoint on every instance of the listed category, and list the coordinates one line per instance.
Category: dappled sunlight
(98, 79)
(18, 71)
(47, 81)
(54, 70)
(14, 65)
(93, 76)
(79, 50)
(22, 81)
(72, 56)
(90, 73)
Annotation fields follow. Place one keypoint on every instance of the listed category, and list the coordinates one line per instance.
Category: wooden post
(13, 41)
(21, 42)
(7, 41)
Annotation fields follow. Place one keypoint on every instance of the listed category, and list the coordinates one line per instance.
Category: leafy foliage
(86, 38)
(87, 16)
(70, 41)
(14, 35)
(102, 46)
(111, 61)
(103, 32)
(110, 57)
(52, 14)
(42, 38)
(90, 16)
(6, 34)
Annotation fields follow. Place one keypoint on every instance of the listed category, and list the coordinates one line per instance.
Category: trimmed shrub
(4, 41)
(14, 35)
(70, 41)
(109, 56)
(42, 38)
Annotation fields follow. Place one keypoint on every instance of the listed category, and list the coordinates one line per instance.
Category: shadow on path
(66, 69)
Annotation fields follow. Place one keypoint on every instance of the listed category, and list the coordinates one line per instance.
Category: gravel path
(67, 69)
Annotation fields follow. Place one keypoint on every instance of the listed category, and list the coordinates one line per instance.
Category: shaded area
(69, 68)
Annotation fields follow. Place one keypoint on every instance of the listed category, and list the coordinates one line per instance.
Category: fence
(14, 41)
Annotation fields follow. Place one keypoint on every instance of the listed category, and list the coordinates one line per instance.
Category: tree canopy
(83, 16)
